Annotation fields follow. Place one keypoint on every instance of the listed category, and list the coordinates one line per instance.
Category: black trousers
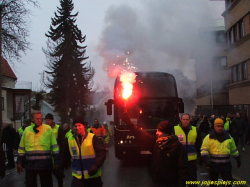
(192, 174)
(10, 156)
(45, 178)
(93, 182)
(226, 176)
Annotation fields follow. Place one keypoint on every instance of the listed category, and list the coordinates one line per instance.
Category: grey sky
(93, 23)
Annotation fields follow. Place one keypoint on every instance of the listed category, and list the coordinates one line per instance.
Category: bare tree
(14, 19)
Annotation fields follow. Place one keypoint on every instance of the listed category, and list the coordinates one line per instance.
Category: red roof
(6, 70)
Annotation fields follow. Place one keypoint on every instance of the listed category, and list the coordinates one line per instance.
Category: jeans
(242, 140)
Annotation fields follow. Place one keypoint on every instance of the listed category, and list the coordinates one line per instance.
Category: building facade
(237, 27)
(212, 73)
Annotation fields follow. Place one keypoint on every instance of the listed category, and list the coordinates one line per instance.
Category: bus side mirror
(109, 104)
(181, 106)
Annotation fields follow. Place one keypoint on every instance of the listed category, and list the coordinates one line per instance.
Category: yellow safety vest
(68, 134)
(55, 130)
(38, 146)
(226, 125)
(188, 142)
(20, 132)
(219, 152)
(82, 158)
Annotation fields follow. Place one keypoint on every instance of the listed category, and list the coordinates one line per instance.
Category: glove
(19, 168)
(238, 163)
(126, 119)
(2, 174)
(93, 170)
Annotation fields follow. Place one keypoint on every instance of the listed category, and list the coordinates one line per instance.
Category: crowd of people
(46, 149)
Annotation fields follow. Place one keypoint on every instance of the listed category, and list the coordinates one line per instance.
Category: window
(234, 74)
(239, 74)
(242, 31)
(236, 31)
(244, 70)
(221, 37)
(2, 103)
(231, 36)
(223, 61)
(246, 110)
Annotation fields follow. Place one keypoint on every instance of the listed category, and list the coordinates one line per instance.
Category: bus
(154, 99)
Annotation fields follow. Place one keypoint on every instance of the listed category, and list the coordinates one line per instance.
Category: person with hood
(240, 130)
(169, 161)
(216, 150)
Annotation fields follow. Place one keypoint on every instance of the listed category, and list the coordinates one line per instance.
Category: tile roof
(7, 70)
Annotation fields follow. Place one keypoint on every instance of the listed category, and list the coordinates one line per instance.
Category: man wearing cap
(49, 119)
(87, 154)
(169, 162)
(191, 140)
(216, 150)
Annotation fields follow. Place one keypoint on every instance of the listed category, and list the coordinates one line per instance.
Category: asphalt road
(130, 173)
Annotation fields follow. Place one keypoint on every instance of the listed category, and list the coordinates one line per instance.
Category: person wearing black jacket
(169, 163)
(8, 137)
(2, 162)
(88, 155)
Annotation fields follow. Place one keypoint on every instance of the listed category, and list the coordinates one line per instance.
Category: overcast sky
(117, 26)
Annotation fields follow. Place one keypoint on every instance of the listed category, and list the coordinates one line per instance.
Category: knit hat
(165, 127)
(78, 119)
(49, 116)
(218, 121)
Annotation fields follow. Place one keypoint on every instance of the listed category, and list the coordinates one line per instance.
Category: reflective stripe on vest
(190, 144)
(84, 158)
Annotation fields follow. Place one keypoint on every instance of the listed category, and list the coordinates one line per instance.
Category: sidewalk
(242, 173)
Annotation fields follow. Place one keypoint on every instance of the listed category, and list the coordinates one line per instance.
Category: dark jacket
(204, 127)
(240, 126)
(168, 165)
(9, 136)
(99, 148)
(2, 158)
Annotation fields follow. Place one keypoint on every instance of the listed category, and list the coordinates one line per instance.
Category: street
(127, 173)
(116, 173)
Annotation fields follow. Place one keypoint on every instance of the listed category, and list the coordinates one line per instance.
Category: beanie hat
(49, 116)
(78, 119)
(218, 121)
(165, 127)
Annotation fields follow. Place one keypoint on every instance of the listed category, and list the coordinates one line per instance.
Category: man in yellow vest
(49, 119)
(87, 154)
(191, 141)
(36, 149)
(216, 150)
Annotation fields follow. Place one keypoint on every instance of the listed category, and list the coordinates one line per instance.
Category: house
(237, 27)
(15, 97)
(212, 73)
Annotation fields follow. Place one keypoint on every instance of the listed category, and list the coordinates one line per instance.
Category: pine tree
(68, 76)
